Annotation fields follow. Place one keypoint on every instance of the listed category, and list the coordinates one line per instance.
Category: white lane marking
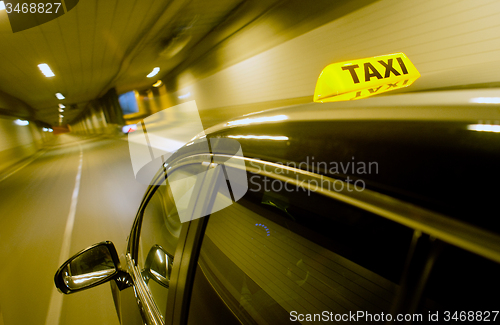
(32, 158)
(56, 298)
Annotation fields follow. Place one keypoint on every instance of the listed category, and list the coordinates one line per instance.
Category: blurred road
(35, 205)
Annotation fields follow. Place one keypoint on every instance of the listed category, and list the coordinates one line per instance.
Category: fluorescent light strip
(153, 73)
(60, 96)
(484, 127)
(44, 67)
(486, 100)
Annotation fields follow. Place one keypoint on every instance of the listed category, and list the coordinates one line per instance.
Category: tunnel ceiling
(102, 44)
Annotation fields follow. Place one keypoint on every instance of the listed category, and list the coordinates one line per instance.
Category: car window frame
(183, 277)
(146, 303)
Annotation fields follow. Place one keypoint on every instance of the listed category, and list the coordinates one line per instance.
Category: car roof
(421, 147)
(452, 105)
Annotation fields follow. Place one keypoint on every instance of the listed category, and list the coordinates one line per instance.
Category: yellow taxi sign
(362, 78)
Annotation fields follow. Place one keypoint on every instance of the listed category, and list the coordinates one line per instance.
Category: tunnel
(77, 85)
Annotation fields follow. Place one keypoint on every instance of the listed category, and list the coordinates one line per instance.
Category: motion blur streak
(436, 35)
(35, 204)
(56, 299)
(484, 127)
(26, 163)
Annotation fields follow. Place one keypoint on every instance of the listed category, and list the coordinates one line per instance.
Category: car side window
(160, 231)
(462, 286)
(276, 254)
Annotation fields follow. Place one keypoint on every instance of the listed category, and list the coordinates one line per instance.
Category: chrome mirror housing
(90, 267)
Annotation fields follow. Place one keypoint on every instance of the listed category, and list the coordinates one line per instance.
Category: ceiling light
(61, 110)
(61, 116)
(2, 5)
(157, 84)
(21, 122)
(60, 96)
(154, 72)
(61, 106)
(46, 70)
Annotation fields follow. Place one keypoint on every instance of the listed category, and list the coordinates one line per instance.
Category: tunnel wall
(92, 122)
(452, 43)
(102, 116)
(11, 106)
(19, 142)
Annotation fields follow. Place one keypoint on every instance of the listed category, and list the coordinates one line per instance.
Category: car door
(181, 193)
(157, 239)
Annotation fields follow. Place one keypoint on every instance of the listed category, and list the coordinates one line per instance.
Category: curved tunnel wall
(18, 142)
(452, 43)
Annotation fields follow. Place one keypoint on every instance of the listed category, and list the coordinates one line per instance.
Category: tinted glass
(278, 253)
(160, 232)
(463, 285)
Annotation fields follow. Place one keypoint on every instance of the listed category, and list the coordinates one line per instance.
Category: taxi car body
(375, 210)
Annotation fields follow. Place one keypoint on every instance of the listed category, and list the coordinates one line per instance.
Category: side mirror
(158, 266)
(90, 267)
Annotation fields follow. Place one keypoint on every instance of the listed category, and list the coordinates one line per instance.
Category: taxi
(373, 210)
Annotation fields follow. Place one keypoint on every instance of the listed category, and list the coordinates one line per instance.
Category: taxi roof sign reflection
(363, 78)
